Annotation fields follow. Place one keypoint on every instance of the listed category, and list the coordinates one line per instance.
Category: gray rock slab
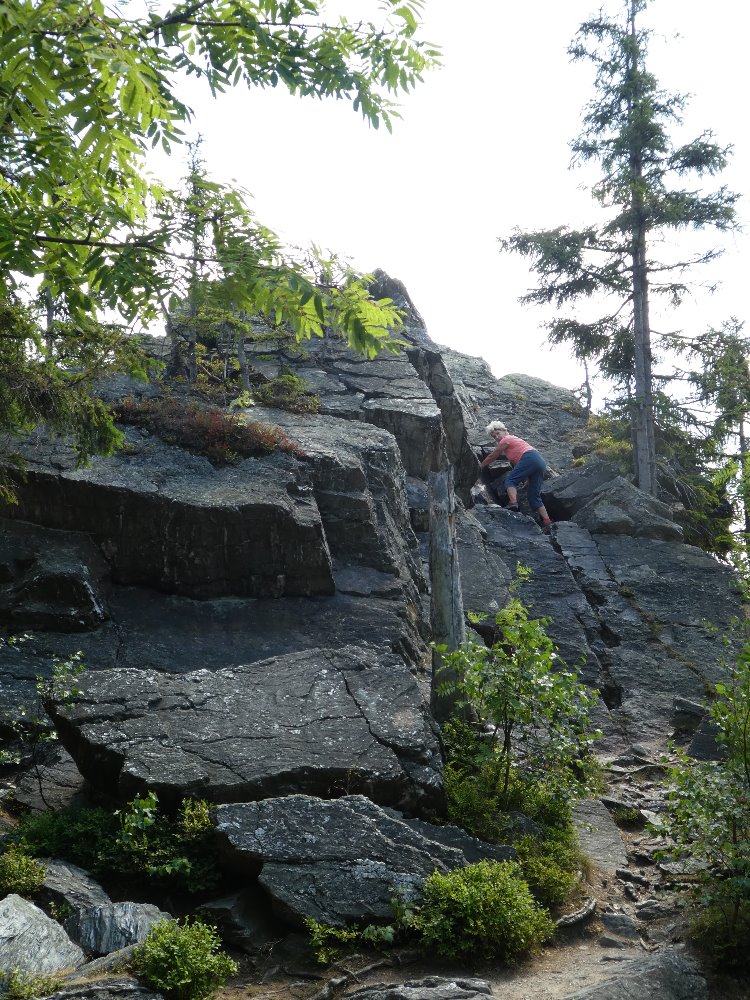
(109, 927)
(599, 836)
(168, 519)
(33, 942)
(338, 861)
(175, 634)
(50, 579)
(117, 988)
(319, 722)
(67, 885)
(472, 848)
(565, 495)
(54, 783)
(552, 592)
(668, 975)
(430, 988)
(620, 508)
(357, 477)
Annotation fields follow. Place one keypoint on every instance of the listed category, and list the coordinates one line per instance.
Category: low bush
(709, 822)
(551, 864)
(183, 961)
(139, 841)
(20, 873)
(205, 429)
(485, 910)
(287, 392)
(21, 985)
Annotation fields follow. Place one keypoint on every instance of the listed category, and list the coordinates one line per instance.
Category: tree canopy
(85, 90)
(644, 191)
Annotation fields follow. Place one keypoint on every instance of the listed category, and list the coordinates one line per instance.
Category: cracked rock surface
(321, 722)
(340, 861)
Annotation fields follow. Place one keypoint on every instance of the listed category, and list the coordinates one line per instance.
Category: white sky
(482, 147)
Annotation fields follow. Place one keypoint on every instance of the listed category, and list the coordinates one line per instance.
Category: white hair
(496, 425)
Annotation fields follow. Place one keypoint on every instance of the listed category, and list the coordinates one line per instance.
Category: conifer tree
(646, 187)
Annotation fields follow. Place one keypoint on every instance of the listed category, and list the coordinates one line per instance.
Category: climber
(528, 466)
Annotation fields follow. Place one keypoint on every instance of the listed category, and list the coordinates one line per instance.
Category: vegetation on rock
(183, 961)
(485, 910)
(21, 985)
(138, 841)
(20, 872)
(204, 428)
(709, 822)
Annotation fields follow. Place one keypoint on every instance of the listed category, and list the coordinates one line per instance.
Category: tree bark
(446, 609)
(645, 452)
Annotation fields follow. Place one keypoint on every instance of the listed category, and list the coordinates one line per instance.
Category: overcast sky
(482, 147)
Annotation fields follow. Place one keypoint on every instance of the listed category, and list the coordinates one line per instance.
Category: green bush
(287, 392)
(484, 910)
(183, 961)
(550, 864)
(709, 821)
(535, 710)
(26, 986)
(83, 836)
(20, 873)
(138, 841)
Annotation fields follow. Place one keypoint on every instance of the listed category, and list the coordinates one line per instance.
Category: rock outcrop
(258, 635)
(319, 722)
(340, 862)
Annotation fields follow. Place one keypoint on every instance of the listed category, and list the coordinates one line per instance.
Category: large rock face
(167, 519)
(318, 722)
(259, 634)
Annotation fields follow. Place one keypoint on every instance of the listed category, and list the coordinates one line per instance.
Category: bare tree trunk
(587, 386)
(645, 451)
(49, 304)
(242, 359)
(745, 481)
(447, 611)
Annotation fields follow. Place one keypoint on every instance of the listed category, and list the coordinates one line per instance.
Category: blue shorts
(531, 467)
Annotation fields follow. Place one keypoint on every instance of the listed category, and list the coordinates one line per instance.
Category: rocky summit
(258, 635)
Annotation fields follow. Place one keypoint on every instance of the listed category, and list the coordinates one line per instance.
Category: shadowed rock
(168, 519)
(670, 975)
(619, 508)
(109, 927)
(322, 721)
(340, 861)
(119, 988)
(50, 579)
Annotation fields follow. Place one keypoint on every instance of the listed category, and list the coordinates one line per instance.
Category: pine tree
(626, 130)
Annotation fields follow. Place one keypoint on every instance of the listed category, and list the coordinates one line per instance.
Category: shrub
(537, 710)
(20, 873)
(26, 986)
(484, 910)
(183, 961)
(709, 821)
(136, 841)
(78, 835)
(202, 428)
(288, 392)
(550, 864)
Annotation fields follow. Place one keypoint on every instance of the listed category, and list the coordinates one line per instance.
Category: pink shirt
(510, 446)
